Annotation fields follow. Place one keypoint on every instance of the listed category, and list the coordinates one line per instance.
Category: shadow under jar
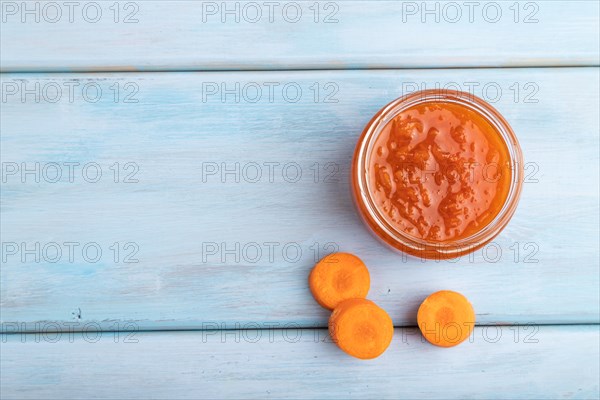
(437, 174)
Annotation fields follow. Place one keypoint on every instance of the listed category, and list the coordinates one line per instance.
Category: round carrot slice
(446, 318)
(361, 328)
(338, 277)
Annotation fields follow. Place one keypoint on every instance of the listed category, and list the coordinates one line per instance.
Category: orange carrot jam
(439, 171)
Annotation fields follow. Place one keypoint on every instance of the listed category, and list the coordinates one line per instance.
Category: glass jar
(414, 234)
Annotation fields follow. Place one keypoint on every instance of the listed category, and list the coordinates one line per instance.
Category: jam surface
(439, 171)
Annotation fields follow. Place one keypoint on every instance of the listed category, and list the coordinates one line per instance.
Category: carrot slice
(361, 328)
(338, 277)
(446, 318)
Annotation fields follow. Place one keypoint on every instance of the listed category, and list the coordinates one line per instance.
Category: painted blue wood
(177, 209)
(177, 35)
(500, 363)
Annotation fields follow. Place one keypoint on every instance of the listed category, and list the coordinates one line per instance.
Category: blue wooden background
(172, 170)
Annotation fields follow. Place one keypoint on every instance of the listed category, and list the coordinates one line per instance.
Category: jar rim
(401, 240)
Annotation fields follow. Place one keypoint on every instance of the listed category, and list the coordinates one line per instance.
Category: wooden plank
(552, 362)
(196, 235)
(190, 35)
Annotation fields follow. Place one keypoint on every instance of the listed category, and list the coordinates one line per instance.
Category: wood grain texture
(175, 215)
(556, 362)
(189, 35)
